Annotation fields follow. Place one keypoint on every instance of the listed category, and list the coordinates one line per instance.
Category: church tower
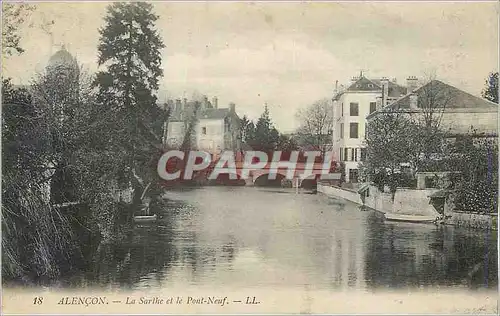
(62, 63)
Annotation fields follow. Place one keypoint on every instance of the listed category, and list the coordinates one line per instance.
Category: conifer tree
(266, 136)
(130, 53)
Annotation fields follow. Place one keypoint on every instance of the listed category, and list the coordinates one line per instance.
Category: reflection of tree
(147, 252)
(412, 255)
(208, 257)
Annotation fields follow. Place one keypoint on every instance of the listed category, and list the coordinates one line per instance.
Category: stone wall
(411, 202)
(414, 202)
(334, 191)
(406, 201)
(471, 220)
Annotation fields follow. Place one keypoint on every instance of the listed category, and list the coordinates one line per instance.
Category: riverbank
(410, 202)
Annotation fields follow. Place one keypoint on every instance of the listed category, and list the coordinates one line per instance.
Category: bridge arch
(230, 179)
(262, 179)
(310, 182)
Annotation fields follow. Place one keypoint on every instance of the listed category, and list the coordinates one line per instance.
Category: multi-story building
(214, 129)
(351, 106)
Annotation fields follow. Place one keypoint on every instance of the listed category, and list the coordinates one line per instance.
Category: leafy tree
(286, 145)
(45, 132)
(490, 92)
(129, 49)
(411, 137)
(390, 143)
(477, 190)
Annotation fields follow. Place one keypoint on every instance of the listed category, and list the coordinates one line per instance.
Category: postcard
(250, 157)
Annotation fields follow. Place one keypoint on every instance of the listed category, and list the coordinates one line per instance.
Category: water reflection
(256, 237)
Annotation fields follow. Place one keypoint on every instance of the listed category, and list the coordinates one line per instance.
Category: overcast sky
(286, 54)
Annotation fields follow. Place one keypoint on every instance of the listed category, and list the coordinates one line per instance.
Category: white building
(350, 109)
(215, 129)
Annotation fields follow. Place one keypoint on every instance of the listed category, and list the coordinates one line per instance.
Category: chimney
(232, 107)
(170, 105)
(385, 90)
(413, 101)
(411, 83)
(379, 103)
(178, 105)
(214, 102)
(204, 103)
(336, 87)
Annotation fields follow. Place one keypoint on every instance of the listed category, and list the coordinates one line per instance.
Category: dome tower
(62, 62)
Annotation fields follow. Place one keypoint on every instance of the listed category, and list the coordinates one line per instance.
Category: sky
(285, 55)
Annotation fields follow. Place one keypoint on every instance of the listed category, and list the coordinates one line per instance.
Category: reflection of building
(351, 107)
(348, 265)
(215, 129)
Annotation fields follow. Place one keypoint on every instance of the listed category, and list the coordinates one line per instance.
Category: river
(255, 237)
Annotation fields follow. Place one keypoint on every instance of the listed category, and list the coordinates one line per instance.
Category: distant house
(214, 129)
(351, 106)
(460, 112)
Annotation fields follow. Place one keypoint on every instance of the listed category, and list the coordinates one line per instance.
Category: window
(363, 154)
(204, 130)
(354, 109)
(341, 154)
(341, 130)
(342, 108)
(353, 130)
(353, 154)
(373, 107)
(346, 153)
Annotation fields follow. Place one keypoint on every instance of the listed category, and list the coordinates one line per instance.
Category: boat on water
(411, 218)
(145, 209)
(145, 218)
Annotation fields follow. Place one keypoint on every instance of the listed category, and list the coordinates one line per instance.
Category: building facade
(351, 106)
(213, 129)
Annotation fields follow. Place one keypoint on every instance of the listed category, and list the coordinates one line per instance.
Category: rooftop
(450, 97)
(202, 113)
(363, 84)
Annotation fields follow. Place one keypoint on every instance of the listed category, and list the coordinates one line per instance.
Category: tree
(265, 136)
(316, 124)
(490, 92)
(48, 139)
(286, 145)
(389, 144)
(129, 49)
(433, 99)
(475, 158)
(418, 127)
(247, 129)
(14, 16)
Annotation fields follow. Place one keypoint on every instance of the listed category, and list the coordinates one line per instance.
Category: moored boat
(145, 218)
(411, 218)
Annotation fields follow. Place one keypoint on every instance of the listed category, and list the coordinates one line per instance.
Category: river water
(255, 237)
